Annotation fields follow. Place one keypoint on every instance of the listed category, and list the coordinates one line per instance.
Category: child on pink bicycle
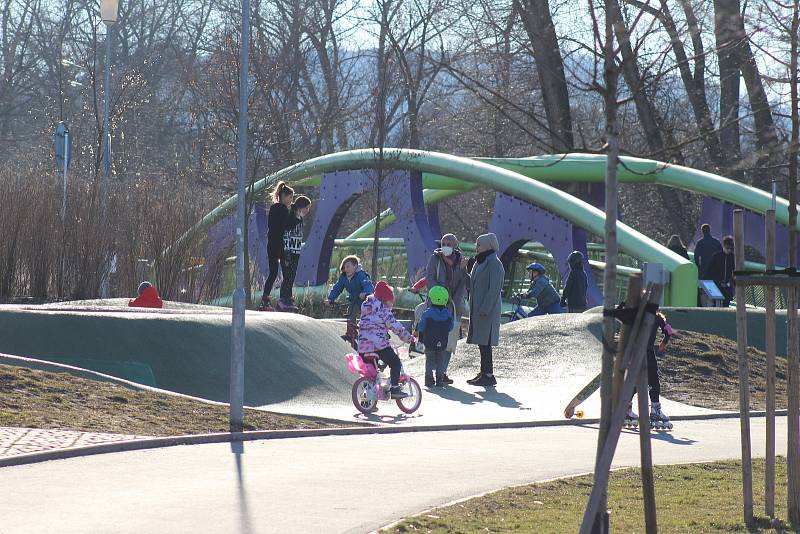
(373, 336)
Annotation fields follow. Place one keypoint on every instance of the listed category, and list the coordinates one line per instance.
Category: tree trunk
(766, 136)
(541, 32)
(725, 15)
(380, 111)
(652, 124)
(610, 76)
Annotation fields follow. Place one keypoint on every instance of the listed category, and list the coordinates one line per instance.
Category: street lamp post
(108, 12)
(237, 318)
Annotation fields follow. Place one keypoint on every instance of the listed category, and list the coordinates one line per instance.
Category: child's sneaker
(429, 382)
(398, 393)
(447, 380)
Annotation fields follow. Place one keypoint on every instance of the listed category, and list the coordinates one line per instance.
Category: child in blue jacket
(434, 331)
(358, 285)
(547, 299)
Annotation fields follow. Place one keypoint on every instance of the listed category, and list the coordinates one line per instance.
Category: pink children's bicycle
(373, 385)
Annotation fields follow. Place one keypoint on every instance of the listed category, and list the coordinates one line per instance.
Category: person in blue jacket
(358, 285)
(547, 299)
(434, 331)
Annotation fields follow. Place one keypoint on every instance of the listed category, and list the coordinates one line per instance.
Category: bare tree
(538, 21)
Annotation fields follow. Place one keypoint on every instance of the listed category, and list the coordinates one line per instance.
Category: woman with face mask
(445, 269)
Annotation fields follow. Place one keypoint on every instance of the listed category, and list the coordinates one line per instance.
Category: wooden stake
(793, 423)
(632, 301)
(648, 487)
(635, 353)
(769, 335)
(744, 375)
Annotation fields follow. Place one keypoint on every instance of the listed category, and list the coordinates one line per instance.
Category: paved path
(326, 484)
(15, 441)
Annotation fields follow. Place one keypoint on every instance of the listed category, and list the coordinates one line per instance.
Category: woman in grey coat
(445, 269)
(486, 285)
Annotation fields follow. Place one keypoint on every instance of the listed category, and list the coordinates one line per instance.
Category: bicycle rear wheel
(363, 394)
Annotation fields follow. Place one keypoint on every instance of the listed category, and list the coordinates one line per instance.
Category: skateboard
(582, 395)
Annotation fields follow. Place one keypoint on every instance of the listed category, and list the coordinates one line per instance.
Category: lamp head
(108, 11)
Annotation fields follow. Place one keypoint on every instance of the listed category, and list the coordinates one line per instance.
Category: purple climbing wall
(516, 222)
(220, 238)
(434, 221)
(402, 192)
(257, 241)
(719, 215)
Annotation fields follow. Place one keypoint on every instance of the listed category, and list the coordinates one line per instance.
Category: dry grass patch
(703, 370)
(40, 399)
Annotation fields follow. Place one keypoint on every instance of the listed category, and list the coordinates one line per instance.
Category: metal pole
(770, 337)
(774, 194)
(106, 122)
(66, 166)
(104, 290)
(237, 326)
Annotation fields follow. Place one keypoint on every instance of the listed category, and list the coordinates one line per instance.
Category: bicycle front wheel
(411, 403)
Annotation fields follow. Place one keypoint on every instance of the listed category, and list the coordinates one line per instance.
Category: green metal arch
(561, 168)
(591, 168)
(682, 291)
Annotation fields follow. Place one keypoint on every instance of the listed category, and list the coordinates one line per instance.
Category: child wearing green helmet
(434, 330)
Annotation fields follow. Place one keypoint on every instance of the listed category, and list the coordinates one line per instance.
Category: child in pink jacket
(373, 335)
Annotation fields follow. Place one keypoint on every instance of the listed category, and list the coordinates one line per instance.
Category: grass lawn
(696, 498)
(39, 399)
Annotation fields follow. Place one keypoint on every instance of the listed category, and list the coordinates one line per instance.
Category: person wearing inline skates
(373, 333)
(658, 419)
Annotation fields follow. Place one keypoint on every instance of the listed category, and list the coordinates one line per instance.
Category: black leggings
(652, 376)
(486, 359)
(290, 261)
(275, 257)
(389, 356)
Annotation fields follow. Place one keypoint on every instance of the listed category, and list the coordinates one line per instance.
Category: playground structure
(526, 209)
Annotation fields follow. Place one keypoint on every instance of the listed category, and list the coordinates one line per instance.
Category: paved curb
(196, 439)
